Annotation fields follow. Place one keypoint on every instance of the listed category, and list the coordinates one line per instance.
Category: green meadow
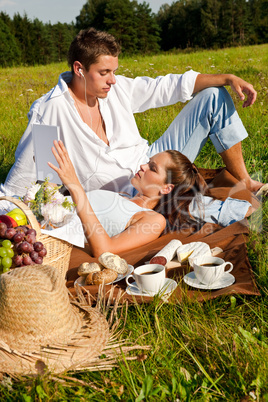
(214, 351)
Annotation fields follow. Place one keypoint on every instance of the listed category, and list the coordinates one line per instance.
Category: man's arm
(238, 85)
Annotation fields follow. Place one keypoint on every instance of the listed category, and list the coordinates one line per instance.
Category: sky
(56, 10)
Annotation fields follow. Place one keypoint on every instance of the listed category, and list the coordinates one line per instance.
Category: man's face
(101, 76)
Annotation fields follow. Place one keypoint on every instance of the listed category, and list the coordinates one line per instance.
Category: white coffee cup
(209, 270)
(149, 278)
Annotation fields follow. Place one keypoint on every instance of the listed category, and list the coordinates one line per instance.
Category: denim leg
(210, 114)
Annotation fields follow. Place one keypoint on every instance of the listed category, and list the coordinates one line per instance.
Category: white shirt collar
(62, 86)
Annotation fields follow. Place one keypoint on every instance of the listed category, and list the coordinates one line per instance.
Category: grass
(214, 351)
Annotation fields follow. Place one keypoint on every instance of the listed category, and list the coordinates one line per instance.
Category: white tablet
(43, 137)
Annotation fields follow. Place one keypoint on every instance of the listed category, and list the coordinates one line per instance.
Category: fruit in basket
(6, 254)
(38, 246)
(3, 252)
(18, 260)
(42, 253)
(10, 232)
(18, 215)
(9, 221)
(3, 228)
(18, 237)
(19, 246)
(6, 263)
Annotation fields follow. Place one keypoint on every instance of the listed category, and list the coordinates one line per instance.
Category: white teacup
(209, 270)
(149, 278)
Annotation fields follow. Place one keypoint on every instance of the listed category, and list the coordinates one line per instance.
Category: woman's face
(150, 180)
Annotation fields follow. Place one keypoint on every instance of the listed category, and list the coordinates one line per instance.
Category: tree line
(183, 24)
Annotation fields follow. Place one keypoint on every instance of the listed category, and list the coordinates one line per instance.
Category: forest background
(188, 24)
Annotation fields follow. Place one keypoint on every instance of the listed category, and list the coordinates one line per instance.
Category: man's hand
(238, 85)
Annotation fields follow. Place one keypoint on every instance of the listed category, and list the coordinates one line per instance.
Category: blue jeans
(210, 114)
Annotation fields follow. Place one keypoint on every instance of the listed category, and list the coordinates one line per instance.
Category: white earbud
(81, 72)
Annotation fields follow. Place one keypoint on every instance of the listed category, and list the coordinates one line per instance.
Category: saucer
(226, 280)
(81, 280)
(168, 287)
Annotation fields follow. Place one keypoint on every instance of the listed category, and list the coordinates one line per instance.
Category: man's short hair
(89, 45)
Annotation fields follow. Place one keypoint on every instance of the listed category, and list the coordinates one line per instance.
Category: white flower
(30, 193)
(57, 198)
(252, 395)
(54, 213)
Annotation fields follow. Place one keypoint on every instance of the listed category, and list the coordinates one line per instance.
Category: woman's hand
(65, 171)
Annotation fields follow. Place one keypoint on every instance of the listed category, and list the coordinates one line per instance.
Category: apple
(9, 221)
(18, 215)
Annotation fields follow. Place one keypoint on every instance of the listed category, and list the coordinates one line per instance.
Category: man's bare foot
(254, 185)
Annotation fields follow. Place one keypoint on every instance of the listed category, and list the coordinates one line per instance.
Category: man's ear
(167, 188)
(76, 67)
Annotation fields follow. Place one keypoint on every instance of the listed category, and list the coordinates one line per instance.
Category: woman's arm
(145, 226)
(237, 84)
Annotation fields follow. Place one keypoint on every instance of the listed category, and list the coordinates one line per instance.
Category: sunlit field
(214, 351)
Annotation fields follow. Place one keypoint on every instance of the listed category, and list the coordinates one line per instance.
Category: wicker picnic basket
(58, 251)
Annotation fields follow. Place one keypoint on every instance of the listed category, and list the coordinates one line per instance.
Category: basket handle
(27, 211)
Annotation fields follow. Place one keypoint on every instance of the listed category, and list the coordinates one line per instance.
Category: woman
(168, 187)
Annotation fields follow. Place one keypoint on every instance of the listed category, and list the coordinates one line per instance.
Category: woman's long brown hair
(188, 182)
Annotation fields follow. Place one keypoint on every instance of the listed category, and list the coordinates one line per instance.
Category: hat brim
(81, 348)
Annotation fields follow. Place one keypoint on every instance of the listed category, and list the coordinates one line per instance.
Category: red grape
(39, 260)
(38, 246)
(27, 260)
(22, 228)
(23, 247)
(43, 252)
(2, 234)
(30, 238)
(3, 228)
(31, 232)
(18, 237)
(31, 248)
(10, 232)
(18, 260)
(34, 255)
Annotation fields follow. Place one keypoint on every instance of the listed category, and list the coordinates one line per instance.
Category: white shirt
(98, 165)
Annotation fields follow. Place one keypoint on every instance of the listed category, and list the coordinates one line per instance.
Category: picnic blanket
(231, 239)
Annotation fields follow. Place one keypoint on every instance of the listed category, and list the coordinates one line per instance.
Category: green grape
(10, 252)
(0, 263)
(5, 269)
(3, 252)
(6, 243)
(6, 263)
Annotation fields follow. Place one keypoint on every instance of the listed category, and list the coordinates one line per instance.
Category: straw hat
(39, 324)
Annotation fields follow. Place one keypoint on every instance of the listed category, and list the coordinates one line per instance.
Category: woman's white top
(113, 210)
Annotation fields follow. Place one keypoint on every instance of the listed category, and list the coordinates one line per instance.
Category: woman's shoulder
(150, 216)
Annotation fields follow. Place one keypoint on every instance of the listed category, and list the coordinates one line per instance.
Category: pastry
(87, 267)
(113, 261)
(104, 276)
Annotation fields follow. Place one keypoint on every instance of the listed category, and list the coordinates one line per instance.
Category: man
(94, 111)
